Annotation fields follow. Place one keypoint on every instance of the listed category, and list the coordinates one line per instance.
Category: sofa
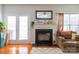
(66, 41)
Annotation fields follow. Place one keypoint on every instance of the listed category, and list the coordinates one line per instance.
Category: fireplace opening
(43, 37)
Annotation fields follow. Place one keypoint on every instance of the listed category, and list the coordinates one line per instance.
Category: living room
(28, 32)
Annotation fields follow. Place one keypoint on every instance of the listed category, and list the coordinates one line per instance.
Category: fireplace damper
(43, 37)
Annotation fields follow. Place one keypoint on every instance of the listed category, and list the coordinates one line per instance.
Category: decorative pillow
(66, 34)
(77, 37)
(73, 36)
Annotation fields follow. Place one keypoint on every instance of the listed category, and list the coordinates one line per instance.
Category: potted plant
(2, 34)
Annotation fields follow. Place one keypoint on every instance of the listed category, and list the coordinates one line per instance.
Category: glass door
(23, 28)
(18, 28)
(12, 27)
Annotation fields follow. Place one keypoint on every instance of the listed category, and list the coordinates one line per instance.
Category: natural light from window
(12, 27)
(71, 22)
(23, 28)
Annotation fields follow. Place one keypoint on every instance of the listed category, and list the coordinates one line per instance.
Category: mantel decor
(44, 14)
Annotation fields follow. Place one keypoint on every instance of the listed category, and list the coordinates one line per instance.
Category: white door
(12, 27)
(23, 28)
(18, 29)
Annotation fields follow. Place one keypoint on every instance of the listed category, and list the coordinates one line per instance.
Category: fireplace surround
(43, 37)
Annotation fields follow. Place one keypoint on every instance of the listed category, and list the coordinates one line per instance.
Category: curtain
(60, 21)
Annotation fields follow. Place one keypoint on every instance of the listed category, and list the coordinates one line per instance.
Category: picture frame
(44, 14)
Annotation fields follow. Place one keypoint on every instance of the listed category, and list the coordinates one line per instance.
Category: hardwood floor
(16, 49)
(21, 48)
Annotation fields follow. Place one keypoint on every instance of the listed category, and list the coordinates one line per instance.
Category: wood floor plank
(9, 49)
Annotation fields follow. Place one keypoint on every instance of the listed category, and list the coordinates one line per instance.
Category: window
(71, 22)
(12, 27)
(23, 28)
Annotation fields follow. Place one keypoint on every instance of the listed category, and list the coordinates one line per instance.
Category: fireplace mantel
(44, 26)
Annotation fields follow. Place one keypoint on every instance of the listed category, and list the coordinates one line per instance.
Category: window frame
(69, 23)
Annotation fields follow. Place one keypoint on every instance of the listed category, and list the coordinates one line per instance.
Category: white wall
(0, 12)
(29, 10)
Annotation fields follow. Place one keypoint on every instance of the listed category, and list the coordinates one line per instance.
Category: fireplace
(43, 37)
